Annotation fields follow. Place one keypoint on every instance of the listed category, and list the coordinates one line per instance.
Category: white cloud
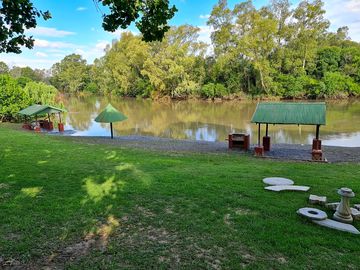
(49, 32)
(42, 43)
(22, 61)
(353, 5)
(120, 31)
(207, 16)
(344, 13)
(41, 54)
(101, 45)
(81, 8)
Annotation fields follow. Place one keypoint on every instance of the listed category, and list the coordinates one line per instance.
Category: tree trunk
(304, 58)
(262, 80)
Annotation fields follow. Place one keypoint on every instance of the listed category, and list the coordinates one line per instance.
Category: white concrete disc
(312, 213)
(278, 181)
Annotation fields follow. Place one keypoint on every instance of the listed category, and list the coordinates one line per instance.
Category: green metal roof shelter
(40, 109)
(290, 113)
(36, 109)
(110, 115)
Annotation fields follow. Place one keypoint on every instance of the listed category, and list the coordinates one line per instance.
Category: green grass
(86, 206)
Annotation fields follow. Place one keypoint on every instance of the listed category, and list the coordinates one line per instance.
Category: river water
(208, 121)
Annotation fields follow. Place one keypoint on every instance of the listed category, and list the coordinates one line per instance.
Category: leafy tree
(125, 61)
(310, 26)
(4, 69)
(18, 15)
(71, 74)
(221, 20)
(41, 93)
(12, 98)
(170, 69)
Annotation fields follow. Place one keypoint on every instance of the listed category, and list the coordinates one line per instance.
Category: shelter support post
(316, 152)
(259, 150)
(266, 139)
(60, 124)
(37, 126)
(49, 125)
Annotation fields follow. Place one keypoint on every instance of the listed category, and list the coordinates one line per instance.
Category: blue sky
(76, 27)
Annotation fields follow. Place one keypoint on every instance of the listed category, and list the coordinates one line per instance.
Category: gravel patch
(295, 152)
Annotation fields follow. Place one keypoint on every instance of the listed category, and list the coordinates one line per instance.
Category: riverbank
(296, 152)
(86, 204)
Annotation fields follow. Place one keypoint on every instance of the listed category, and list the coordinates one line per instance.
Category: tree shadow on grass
(59, 214)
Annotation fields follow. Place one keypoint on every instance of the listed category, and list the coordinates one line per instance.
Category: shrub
(212, 90)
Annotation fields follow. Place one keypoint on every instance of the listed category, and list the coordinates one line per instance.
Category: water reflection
(201, 120)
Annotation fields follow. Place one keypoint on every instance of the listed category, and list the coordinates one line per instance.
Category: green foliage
(4, 69)
(16, 94)
(338, 85)
(71, 74)
(16, 16)
(213, 90)
(12, 97)
(40, 93)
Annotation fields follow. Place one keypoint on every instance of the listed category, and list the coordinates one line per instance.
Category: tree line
(271, 51)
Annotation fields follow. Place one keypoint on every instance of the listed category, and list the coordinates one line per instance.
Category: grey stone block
(314, 199)
(337, 225)
(288, 188)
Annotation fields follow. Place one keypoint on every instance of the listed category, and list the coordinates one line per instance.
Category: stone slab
(355, 213)
(312, 213)
(314, 199)
(332, 206)
(329, 223)
(287, 188)
(357, 206)
(278, 181)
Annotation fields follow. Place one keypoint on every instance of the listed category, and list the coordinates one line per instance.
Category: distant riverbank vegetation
(275, 51)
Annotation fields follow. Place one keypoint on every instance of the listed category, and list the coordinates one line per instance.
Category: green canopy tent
(110, 115)
(36, 109)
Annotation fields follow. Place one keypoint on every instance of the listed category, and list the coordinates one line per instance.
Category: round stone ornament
(312, 213)
(278, 181)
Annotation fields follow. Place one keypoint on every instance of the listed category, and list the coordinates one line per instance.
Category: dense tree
(71, 74)
(3, 68)
(150, 17)
(40, 93)
(12, 97)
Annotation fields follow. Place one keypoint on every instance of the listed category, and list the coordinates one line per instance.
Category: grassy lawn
(86, 206)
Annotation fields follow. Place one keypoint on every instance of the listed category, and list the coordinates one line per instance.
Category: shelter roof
(310, 113)
(37, 109)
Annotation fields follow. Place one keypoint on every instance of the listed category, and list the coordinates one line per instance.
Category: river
(208, 121)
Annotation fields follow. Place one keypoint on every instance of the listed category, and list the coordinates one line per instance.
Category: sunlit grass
(86, 206)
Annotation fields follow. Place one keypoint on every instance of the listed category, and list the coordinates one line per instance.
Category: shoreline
(287, 152)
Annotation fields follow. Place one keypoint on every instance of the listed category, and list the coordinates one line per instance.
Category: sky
(75, 27)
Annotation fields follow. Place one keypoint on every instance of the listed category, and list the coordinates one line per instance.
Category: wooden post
(60, 117)
(259, 135)
(111, 127)
(267, 129)
(317, 131)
